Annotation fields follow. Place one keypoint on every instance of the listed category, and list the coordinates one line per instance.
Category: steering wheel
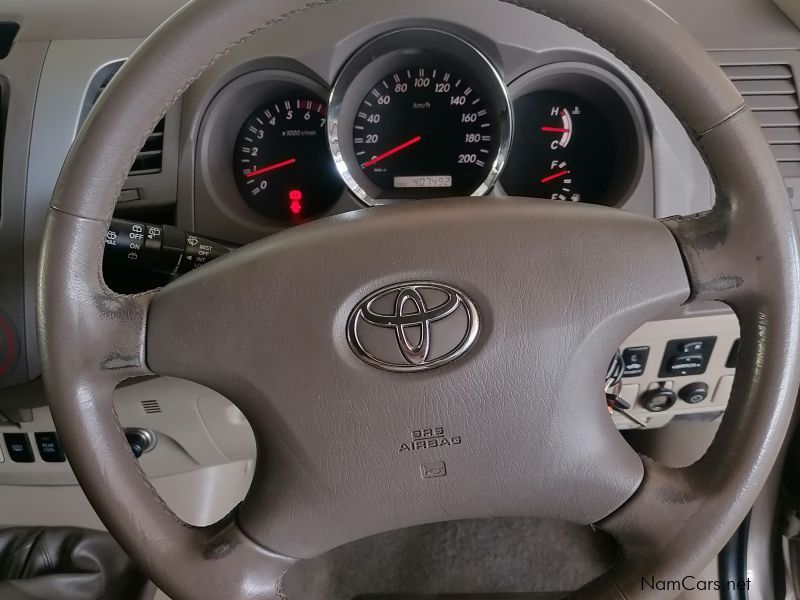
(555, 288)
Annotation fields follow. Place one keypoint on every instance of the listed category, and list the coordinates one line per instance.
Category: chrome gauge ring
(419, 113)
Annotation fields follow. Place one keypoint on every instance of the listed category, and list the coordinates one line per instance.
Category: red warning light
(295, 196)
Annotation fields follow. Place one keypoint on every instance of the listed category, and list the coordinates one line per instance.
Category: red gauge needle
(279, 165)
(391, 152)
(555, 176)
(555, 129)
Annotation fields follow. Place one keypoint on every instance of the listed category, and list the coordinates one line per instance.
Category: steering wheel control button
(19, 447)
(413, 326)
(694, 393)
(49, 447)
(635, 360)
(687, 357)
(9, 346)
(658, 399)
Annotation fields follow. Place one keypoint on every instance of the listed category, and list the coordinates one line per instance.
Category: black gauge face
(425, 131)
(563, 149)
(282, 164)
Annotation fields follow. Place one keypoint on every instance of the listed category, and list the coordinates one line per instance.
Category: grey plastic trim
(19, 78)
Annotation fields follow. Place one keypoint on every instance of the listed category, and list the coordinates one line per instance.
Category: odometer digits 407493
(419, 114)
(425, 131)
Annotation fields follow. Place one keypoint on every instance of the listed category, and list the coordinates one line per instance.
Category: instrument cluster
(422, 113)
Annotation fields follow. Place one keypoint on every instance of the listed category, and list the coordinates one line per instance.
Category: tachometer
(281, 160)
(419, 114)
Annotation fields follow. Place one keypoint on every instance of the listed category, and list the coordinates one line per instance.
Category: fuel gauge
(559, 182)
(564, 149)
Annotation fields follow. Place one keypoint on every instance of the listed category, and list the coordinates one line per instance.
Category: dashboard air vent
(771, 92)
(150, 157)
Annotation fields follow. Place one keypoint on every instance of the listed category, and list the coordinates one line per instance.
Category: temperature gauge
(563, 130)
(563, 149)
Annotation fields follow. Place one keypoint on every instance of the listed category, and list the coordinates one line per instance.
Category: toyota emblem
(412, 327)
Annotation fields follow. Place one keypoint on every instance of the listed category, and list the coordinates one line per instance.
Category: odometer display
(424, 181)
(425, 131)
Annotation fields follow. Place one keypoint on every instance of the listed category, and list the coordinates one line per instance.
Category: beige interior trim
(791, 8)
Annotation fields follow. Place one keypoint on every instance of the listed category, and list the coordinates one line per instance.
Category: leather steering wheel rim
(669, 522)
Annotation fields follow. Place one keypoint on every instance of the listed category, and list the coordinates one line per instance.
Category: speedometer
(419, 114)
(425, 130)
